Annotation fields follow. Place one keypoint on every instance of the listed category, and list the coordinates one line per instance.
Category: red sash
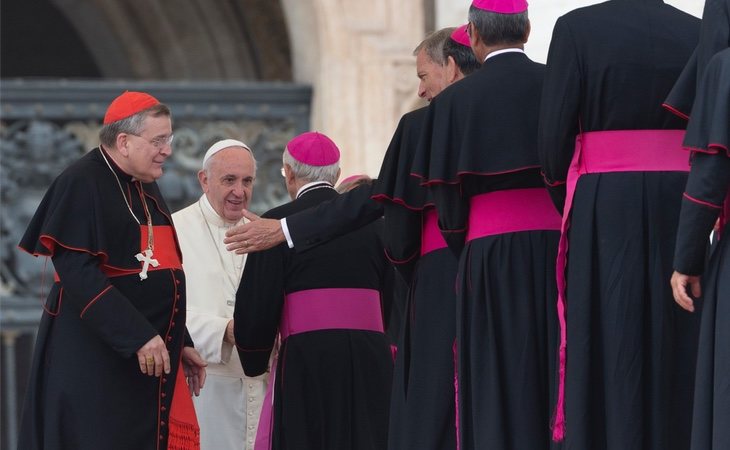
(183, 428)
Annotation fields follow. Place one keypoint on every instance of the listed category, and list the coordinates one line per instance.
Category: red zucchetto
(127, 105)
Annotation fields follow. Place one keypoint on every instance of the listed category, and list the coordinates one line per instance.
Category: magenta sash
(313, 310)
(336, 308)
(511, 211)
(431, 237)
(604, 152)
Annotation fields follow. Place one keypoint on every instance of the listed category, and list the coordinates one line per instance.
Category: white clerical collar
(212, 216)
(504, 50)
(312, 186)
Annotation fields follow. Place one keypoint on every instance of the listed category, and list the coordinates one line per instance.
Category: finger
(696, 289)
(250, 216)
(150, 365)
(166, 362)
(195, 386)
(202, 375)
(142, 364)
(158, 365)
(682, 299)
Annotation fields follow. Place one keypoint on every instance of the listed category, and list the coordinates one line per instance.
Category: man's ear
(527, 32)
(452, 70)
(203, 180)
(122, 144)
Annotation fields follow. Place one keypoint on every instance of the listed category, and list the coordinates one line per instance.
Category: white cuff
(285, 230)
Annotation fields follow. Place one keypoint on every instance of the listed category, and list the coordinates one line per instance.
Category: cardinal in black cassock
(118, 287)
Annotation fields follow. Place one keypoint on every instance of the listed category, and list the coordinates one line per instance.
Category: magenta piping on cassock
(431, 237)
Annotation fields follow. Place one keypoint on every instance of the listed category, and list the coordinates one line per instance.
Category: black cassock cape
(332, 387)
(479, 137)
(630, 348)
(708, 137)
(714, 36)
(422, 414)
(86, 391)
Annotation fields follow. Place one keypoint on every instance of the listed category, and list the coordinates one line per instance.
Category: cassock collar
(504, 50)
(212, 217)
(123, 176)
(312, 186)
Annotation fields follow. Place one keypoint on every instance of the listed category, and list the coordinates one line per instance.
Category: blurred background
(261, 71)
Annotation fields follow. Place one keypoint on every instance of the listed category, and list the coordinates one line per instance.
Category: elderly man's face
(228, 182)
(146, 152)
(431, 74)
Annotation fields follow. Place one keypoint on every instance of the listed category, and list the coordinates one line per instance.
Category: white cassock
(229, 405)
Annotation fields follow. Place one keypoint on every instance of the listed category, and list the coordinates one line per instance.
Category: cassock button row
(162, 437)
(164, 380)
(162, 408)
(172, 324)
(163, 395)
(177, 297)
(177, 309)
(162, 423)
(169, 338)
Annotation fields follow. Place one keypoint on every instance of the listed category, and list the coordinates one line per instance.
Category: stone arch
(190, 40)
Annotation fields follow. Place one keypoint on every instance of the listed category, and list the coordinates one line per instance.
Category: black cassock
(479, 139)
(86, 390)
(332, 387)
(422, 415)
(708, 137)
(630, 348)
(714, 36)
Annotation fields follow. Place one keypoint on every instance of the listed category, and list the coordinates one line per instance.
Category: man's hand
(680, 282)
(259, 234)
(229, 336)
(194, 367)
(153, 357)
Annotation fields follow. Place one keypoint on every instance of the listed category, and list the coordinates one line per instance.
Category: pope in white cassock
(228, 410)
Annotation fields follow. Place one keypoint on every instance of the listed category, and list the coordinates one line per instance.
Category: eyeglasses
(158, 142)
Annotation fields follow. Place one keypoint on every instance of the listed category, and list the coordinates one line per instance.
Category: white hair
(311, 173)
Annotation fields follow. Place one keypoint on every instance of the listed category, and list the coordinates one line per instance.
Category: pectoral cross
(146, 259)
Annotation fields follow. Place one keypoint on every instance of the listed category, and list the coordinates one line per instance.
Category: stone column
(358, 58)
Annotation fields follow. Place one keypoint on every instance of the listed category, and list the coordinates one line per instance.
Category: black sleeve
(334, 218)
(559, 109)
(707, 186)
(453, 212)
(100, 305)
(259, 301)
(402, 236)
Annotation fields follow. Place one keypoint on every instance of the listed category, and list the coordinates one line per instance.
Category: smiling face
(228, 182)
(431, 74)
(144, 154)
